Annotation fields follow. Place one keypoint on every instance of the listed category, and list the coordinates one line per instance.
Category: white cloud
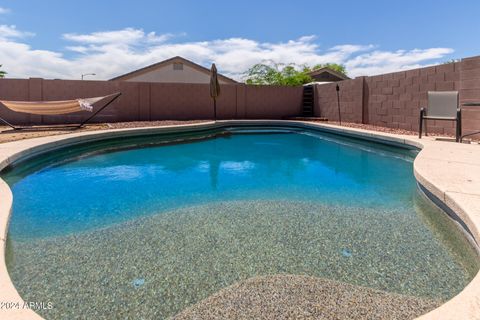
(111, 53)
(377, 62)
(4, 10)
(11, 31)
(128, 36)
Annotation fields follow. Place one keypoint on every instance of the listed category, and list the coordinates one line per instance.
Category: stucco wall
(168, 74)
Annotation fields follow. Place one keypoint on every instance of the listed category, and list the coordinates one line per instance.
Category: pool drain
(137, 283)
(346, 253)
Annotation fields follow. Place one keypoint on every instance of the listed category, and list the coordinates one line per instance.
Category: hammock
(52, 107)
(57, 107)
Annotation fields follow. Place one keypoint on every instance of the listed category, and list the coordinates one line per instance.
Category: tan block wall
(272, 102)
(394, 100)
(143, 101)
(470, 92)
(389, 100)
(350, 98)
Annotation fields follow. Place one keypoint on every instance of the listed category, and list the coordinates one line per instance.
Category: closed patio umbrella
(214, 88)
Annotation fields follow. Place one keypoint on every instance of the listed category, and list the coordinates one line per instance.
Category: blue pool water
(99, 228)
(101, 189)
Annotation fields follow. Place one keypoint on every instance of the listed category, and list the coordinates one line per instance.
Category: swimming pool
(119, 225)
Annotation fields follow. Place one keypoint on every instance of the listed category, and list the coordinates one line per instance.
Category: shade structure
(214, 88)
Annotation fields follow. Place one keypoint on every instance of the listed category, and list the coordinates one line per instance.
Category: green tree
(2, 73)
(262, 74)
(278, 74)
(285, 75)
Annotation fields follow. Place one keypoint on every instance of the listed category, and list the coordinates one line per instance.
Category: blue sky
(62, 39)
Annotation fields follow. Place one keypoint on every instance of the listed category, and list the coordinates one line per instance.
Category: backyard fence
(393, 100)
(141, 101)
(389, 100)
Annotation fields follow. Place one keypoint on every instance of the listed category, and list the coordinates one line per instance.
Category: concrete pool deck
(450, 172)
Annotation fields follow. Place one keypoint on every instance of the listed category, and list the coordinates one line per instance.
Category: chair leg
(457, 136)
(458, 131)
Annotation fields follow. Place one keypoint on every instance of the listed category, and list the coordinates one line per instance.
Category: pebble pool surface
(145, 227)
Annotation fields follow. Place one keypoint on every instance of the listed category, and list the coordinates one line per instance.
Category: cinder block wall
(394, 99)
(469, 92)
(350, 97)
(142, 101)
(389, 100)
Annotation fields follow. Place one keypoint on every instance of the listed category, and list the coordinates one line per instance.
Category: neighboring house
(327, 75)
(176, 69)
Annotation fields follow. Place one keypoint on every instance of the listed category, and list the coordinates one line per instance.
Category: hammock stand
(57, 108)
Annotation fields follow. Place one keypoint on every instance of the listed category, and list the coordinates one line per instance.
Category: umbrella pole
(215, 109)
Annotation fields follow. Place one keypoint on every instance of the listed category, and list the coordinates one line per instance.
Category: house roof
(163, 63)
(328, 70)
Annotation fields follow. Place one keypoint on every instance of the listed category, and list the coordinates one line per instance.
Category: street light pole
(88, 74)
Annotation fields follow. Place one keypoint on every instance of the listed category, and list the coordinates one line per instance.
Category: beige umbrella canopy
(214, 88)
